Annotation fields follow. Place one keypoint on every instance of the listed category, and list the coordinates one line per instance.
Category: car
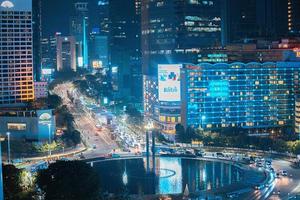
(219, 154)
(284, 173)
(276, 192)
(259, 187)
(199, 154)
(189, 152)
(259, 164)
(232, 195)
(94, 146)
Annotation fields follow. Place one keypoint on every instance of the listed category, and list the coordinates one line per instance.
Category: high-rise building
(124, 46)
(257, 97)
(252, 19)
(79, 29)
(101, 16)
(174, 31)
(98, 49)
(48, 46)
(293, 13)
(37, 35)
(16, 59)
(66, 53)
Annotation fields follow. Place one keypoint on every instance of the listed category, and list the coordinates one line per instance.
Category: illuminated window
(162, 118)
(16, 126)
(173, 120)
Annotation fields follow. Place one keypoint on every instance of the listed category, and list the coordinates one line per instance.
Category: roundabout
(210, 177)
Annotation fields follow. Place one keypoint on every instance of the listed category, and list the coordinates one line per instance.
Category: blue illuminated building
(257, 97)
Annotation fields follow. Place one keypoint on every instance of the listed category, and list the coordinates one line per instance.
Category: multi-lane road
(99, 142)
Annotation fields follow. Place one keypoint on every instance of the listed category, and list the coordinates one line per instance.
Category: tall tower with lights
(16, 59)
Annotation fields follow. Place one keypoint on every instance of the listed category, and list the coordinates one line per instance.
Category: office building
(66, 53)
(100, 17)
(16, 59)
(297, 115)
(252, 19)
(124, 46)
(174, 31)
(48, 47)
(33, 125)
(256, 97)
(293, 16)
(37, 36)
(260, 51)
(98, 50)
(79, 29)
(40, 89)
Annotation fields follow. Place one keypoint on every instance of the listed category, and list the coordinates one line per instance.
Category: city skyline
(149, 99)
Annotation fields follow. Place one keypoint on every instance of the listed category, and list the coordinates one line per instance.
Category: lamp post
(49, 141)
(8, 147)
(148, 128)
(1, 175)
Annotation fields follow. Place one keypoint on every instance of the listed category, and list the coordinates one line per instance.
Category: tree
(190, 135)
(180, 133)
(54, 101)
(65, 180)
(64, 117)
(72, 136)
(12, 182)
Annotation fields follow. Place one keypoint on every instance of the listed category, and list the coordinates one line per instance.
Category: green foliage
(180, 133)
(12, 182)
(72, 137)
(15, 185)
(54, 101)
(66, 180)
(64, 118)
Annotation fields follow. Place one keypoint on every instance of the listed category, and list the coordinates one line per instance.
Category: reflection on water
(171, 176)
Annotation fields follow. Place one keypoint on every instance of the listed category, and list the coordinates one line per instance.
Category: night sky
(55, 16)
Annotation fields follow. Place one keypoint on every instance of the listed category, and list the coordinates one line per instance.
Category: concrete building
(35, 125)
(16, 59)
(66, 53)
(40, 90)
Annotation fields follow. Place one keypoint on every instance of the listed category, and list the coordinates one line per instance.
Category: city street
(99, 143)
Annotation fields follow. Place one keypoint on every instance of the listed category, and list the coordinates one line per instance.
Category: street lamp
(8, 146)
(49, 141)
(1, 175)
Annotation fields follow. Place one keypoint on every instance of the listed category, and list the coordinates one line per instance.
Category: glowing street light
(49, 141)
(1, 175)
(8, 146)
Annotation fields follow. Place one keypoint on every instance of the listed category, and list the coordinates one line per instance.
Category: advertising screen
(169, 82)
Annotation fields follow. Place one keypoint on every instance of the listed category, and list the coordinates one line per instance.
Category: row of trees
(239, 139)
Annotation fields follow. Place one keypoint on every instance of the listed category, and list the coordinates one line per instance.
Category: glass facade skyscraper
(255, 96)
